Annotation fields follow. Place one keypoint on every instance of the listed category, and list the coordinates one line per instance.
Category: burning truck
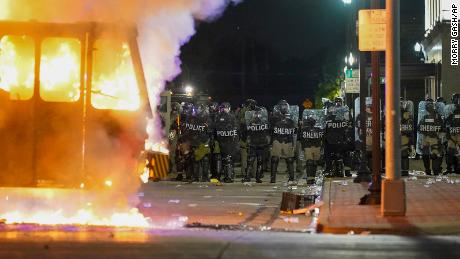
(73, 103)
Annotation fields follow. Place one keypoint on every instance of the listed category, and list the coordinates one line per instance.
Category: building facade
(438, 47)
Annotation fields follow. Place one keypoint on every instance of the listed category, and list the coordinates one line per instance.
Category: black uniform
(283, 137)
(197, 133)
(337, 135)
(227, 135)
(407, 139)
(453, 139)
(431, 126)
(311, 137)
(258, 138)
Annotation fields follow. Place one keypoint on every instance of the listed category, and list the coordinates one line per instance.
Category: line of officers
(206, 140)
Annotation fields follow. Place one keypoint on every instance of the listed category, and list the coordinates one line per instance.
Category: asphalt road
(220, 244)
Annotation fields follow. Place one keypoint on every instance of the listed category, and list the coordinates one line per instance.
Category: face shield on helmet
(225, 108)
(429, 106)
(338, 102)
(310, 121)
(283, 107)
(456, 99)
(187, 108)
(213, 107)
(202, 109)
(251, 104)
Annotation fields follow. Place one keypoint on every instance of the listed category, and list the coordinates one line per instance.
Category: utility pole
(374, 197)
(363, 171)
(393, 194)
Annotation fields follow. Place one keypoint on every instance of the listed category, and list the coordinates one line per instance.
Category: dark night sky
(271, 49)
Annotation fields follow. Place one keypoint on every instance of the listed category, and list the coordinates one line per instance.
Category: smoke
(163, 26)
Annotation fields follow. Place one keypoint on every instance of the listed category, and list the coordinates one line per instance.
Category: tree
(329, 88)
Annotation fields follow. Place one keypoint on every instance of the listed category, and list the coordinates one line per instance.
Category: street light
(346, 1)
(418, 47)
(351, 59)
(189, 90)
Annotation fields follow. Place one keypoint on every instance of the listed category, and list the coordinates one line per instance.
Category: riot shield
(316, 114)
(259, 116)
(449, 109)
(294, 112)
(358, 118)
(422, 112)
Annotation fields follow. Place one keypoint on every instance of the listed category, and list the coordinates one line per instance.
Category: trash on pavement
(247, 184)
(140, 194)
(193, 205)
(174, 201)
(147, 204)
(291, 219)
(308, 209)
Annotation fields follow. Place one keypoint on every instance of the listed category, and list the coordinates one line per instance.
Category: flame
(60, 70)
(52, 207)
(114, 87)
(114, 84)
(17, 52)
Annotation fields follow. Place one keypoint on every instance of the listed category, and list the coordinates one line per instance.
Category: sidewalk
(433, 207)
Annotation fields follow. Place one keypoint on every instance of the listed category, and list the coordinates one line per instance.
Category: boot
(290, 167)
(437, 169)
(405, 166)
(426, 164)
(196, 171)
(311, 173)
(249, 166)
(450, 163)
(273, 169)
(259, 170)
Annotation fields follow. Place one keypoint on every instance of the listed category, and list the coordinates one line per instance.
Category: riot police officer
(453, 134)
(186, 137)
(337, 138)
(311, 138)
(407, 135)
(227, 136)
(258, 138)
(284, 125)
(215, 157)
(197, 127)
(173, 135)
(430, 133)
(249, 105)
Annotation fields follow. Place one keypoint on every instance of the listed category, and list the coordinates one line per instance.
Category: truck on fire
(73, 103)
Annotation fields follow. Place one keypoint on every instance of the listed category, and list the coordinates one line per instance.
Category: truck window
(60, 70)
(114, 84)
(17, 61)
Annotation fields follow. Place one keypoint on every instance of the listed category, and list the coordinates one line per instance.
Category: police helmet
(251, 104)
(310, 121)
(202, 109)
(283, 106)
(338, 101)
(225, 107)
(429, 105)
(456, 99)
(213, 107)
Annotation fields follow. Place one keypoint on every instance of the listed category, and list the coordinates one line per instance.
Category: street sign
(352, 85)
(352, 81)
(372, 30)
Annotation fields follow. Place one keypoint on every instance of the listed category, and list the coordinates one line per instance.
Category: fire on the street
(46, 206)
